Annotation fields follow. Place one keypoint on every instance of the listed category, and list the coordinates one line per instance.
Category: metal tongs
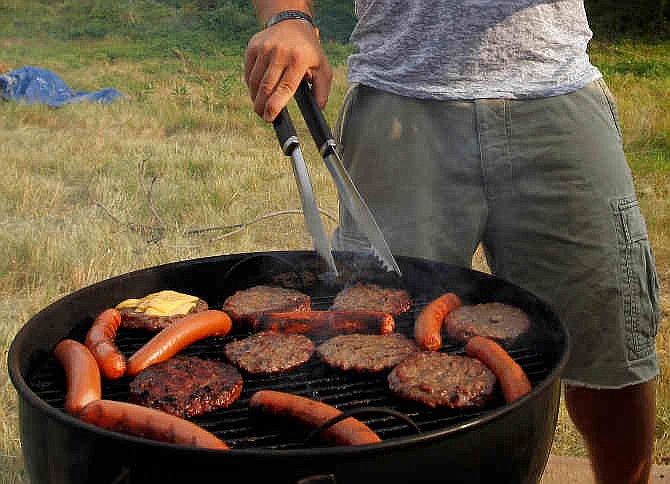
(348, 193)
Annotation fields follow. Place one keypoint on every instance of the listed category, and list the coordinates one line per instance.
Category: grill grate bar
(236, 426)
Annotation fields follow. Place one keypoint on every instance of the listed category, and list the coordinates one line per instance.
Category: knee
(591, 408)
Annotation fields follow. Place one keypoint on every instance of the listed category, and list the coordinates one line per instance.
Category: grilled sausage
(513, 379)
(429, 322)
(349, 431)
(178, 336)
(326, 323)
(100, 341)
(128, 418)
(81, 374)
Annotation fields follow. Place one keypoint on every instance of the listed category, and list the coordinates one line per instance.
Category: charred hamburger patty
(187, 386)
(137, 320)
(442, 380)
(247, 305)
(366, 352)
(269, 352)
(372, 297)
(500, 322)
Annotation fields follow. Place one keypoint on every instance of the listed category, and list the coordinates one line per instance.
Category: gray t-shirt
(472, 49)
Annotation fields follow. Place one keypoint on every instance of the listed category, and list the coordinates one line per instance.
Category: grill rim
(33, 324)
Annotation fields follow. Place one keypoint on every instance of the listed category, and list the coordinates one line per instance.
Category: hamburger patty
(366, 352)
(497, 321)
(269, 352)
(372, 297)
(442, 380)
(187, 386)
(247, 305)
(135, 320)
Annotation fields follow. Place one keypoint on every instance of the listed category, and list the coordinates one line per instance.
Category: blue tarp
(32, 85)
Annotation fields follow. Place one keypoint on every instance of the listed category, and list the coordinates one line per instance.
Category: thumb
(321, 85)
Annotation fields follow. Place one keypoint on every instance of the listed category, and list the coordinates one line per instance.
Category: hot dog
(326, 323)
(429, 322)
(100, 341)
(349, 431)
(81, 374)
(128, 418)
(513, 379)
(178, 336)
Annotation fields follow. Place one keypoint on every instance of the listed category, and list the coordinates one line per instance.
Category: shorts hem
(616, 378)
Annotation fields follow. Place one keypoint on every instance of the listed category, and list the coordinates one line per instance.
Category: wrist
(290, 15)
(265, 9)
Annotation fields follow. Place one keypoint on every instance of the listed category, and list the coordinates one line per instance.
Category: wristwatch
(290, 15)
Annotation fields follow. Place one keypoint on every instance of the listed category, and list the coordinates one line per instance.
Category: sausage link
(178, 336)
(128, 418)
(326, 323)
(82, 375)
(312, 413)
(100, 340)
(513, 379)
(429, 322)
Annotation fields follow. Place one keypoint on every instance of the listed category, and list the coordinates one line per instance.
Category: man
(483, 121)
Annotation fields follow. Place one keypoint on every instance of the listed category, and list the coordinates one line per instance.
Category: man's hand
(276, 61)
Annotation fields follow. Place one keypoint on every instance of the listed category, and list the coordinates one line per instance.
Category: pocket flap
(632, 221)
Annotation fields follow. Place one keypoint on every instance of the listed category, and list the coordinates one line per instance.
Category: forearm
(267, 8)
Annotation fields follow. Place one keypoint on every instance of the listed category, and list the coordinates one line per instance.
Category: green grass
(74, 187)
(638, 75)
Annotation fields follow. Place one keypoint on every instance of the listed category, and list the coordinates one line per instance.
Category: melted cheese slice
(163, 303)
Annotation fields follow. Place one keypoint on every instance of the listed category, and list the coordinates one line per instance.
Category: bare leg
(619, 429)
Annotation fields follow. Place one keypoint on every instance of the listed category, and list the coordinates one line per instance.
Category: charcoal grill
(502, 443)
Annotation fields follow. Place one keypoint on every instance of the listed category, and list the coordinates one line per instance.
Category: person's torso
(472, 49)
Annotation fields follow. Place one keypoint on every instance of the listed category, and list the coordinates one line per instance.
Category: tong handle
(316, 122)
(288, 139)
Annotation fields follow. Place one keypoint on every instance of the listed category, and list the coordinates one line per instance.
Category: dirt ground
(574, 470)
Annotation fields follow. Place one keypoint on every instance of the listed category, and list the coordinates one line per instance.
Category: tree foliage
(236, 19)
(206, 25)
(633, 18)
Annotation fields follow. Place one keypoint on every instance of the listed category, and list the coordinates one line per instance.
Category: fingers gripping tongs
(349, 195)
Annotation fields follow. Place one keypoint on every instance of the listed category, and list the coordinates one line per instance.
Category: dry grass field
(91, 191)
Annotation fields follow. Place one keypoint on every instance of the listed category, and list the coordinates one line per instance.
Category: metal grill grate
(344, 390)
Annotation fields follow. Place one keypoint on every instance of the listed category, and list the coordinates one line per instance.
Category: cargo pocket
(638, 281)
(609, 103)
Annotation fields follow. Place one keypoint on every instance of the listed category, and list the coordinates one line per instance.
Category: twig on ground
(148, 191)
(139, 228)
(151, 203)
(227, 205)
(108, 213)
(203, 230)
(239, 227)
(242, 225)
(158, 232)
(228, 234)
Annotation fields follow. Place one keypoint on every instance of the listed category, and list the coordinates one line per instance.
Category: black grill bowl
(503, 443)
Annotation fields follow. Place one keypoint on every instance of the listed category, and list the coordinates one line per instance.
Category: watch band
(289, 15)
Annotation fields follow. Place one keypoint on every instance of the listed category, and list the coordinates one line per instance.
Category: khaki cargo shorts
(543, 184)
